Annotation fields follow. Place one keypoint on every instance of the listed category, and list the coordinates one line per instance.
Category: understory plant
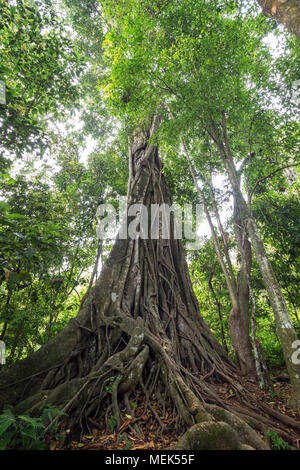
(23, 432)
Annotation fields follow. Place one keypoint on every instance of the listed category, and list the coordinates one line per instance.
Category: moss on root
(209, 436)
(223, 431)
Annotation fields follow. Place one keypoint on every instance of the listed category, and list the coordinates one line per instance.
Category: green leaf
(112, 421)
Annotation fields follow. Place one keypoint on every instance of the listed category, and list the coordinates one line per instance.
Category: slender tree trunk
(96, 266)
(5, 325)
(238, 290)
(239, 320)
(219, 308)
(284, 325)
(220, 227)
(286, 12)
(260, 363)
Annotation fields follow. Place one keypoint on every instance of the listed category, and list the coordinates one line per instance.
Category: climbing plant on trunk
(185, 57)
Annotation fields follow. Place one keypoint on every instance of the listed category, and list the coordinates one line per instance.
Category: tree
(138, 329)
(238, 287)
(213, 90)
(44, 251)
(286, 12)
(284, 324)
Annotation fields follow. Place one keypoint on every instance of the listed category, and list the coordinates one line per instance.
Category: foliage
(128, 443)
(23, 432)
(39, 66)
(211, 291)
(48, 243)
(276, 442)
(112, 421)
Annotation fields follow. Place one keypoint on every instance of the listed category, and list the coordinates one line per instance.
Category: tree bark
(286, 12)
(239, 319)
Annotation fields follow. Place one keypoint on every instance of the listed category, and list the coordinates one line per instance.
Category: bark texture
(286, 12)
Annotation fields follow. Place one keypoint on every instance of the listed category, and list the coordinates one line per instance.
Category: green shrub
(276, 442)
(23, 432)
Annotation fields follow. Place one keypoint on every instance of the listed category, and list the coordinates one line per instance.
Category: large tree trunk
(138, 333)
(286, 12)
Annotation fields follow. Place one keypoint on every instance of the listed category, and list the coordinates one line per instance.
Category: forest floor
(160, 428)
